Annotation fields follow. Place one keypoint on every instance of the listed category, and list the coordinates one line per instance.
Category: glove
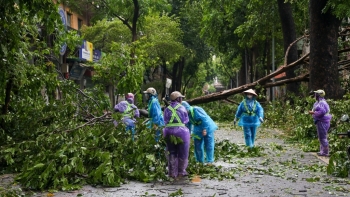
(261, 120)
(155, 127)
(234, 122)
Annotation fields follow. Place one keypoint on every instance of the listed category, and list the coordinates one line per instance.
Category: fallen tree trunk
(263, 82)
(303, 77)
(226, 93)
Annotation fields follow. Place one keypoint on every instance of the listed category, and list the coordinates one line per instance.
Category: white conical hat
(251, 91)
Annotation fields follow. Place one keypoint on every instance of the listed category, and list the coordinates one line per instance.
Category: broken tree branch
(89, 122)
(290, 46)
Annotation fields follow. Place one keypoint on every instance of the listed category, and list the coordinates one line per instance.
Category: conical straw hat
(251, 91)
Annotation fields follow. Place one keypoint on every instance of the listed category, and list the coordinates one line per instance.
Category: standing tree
(190, 16)
(289, 36)
(324, 28)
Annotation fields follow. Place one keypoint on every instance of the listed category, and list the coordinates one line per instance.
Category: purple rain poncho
(322, 119)
(129, 115)
(178, 153)
(321, 109)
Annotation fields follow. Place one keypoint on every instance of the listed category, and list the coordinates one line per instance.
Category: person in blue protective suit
(250, 115)
(322, 119)
(155, 114)
(203, 127)
(129, 112)
(176, 117)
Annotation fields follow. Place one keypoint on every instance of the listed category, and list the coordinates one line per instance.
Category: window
(80, 23)
(69, 19)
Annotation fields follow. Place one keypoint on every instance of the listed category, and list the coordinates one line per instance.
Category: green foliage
(220, 111)
(104, 34)
(339, 164)
(292, 117)
(228, 151)
(115, 69)
(10, 192)
(177, 193)
(339, 8)
(98, 155)
(161, 38)
(174, 140)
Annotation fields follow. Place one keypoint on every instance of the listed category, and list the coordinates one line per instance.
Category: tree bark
(324, 50)
(134, 20)
(243, 71)
(8, 91)
(174, 73)
(164, 78)
(289, 35)
(179, 74)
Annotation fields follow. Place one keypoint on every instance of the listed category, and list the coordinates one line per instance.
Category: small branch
(88, 123)
(344, 50)
(231, 101)
(81, 92)
(290, 46)
(124, 21)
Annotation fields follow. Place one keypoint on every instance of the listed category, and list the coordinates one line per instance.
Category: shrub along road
(274, 169)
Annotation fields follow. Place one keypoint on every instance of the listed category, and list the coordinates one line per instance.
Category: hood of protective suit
(186, 105)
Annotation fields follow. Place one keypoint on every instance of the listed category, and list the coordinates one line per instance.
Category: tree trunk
(134, 20)
(289, 35)
(324, 50)
(164, 78)
(8, 91)
(174, 73)
(179, 74)
(243, 71)
(178, 67)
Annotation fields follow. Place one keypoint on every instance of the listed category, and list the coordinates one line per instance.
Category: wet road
(283, 171)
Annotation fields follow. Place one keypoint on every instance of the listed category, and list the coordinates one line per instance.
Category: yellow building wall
(74, 18)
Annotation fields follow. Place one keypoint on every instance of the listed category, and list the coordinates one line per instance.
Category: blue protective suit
(250, 113)
(155, 115)
(199, 121)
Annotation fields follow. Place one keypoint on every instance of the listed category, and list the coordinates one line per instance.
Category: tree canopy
(55, 135)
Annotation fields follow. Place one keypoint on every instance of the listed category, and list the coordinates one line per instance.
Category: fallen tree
(263, 82)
